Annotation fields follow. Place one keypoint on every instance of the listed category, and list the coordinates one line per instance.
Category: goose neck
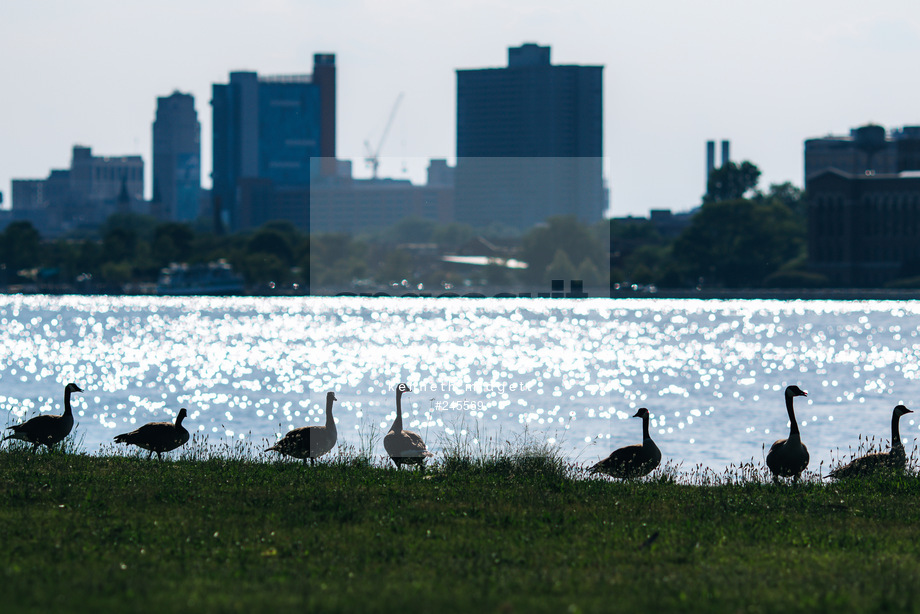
(329, 420)
(67, 410)
(645, 421)
(398, 423)
(794, 428)
(896, 431)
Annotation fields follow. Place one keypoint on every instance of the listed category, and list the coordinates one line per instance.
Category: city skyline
(676, 75)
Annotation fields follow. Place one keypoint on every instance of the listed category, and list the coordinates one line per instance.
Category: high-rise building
(529, 141)
(176, 159)
(266, 130)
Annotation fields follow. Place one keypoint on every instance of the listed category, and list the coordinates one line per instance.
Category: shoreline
(824, 294)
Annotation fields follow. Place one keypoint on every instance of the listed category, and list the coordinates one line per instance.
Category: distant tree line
(134, 249)
(740, 237)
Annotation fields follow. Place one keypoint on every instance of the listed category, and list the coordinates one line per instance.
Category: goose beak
(908, 411)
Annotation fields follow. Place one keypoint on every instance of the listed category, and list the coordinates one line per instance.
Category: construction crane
(373, 155)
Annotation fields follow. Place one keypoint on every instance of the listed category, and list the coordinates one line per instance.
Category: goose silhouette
(404, 447)
(632, 461)
(893, 460)
(310, 441)
(46, 430)
(158, 437)
(789, 457)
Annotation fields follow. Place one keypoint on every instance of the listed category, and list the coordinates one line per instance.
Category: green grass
(503, 533)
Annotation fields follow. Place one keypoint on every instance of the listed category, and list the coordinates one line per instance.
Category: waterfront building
(529, 141)
(266, 131)
(82, 196)
(868, 149)
(344, 204)
(864, 229)
(176, 159)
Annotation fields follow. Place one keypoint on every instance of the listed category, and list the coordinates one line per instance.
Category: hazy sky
(765, 75)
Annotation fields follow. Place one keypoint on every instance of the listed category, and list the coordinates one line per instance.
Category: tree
(140, 225)
(540, 246)
(261, 268)
(646, 263)
(118, 244)
(587, 272)
(738, 243)
(274, 242)
(788, 194)
(731, 182)
(20, 247)
(452, 235)
(172, 242)
(396, 265)
(560, 268)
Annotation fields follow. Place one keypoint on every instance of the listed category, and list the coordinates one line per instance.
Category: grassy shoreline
(505, 534)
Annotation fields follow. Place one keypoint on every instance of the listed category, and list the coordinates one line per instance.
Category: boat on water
(211, 279)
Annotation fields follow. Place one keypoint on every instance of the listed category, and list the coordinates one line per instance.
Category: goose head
(330, 396)
(72, 388)
(183, 413)
(642, 413)
(795, 391)
(900, 410)
(402, 388)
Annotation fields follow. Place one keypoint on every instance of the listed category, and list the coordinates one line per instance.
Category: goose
(47, 430)
(789, 457)
(310, 441)
(158, 437)
(893, 460)
(404, 447)
(632, 461)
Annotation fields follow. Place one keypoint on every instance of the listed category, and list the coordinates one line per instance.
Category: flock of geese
(786, 458)
(308, 442)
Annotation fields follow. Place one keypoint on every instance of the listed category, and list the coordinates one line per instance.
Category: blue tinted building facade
(266, 130)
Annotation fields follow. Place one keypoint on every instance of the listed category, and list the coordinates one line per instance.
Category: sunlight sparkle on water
(572, 371)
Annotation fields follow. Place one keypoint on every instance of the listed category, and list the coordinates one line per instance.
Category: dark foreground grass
(107, 533)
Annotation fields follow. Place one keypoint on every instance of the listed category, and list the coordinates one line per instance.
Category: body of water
(570, 372)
